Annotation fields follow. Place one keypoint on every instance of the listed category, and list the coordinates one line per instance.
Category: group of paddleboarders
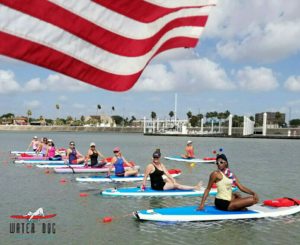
(160, 178)
(45, 147)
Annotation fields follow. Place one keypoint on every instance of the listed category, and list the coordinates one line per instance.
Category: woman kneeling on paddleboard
(118, 162)
(224, 180)
(156, 170)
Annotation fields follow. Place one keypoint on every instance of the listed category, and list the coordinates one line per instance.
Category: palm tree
(153, 115)
(171, 114)
(29, 114)
(57, 106)
(189, 114)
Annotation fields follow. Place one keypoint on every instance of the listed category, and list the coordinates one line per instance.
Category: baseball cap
(189, 142)
(92, 144)
(116, 149)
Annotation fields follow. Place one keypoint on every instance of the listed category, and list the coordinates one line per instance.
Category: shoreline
(271, 133)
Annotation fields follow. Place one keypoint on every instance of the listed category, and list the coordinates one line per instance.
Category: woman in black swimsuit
(156, 170)
(93, 154)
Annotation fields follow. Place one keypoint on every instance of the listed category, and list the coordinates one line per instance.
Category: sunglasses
(116, 152)
(220, 162)
(72, 144)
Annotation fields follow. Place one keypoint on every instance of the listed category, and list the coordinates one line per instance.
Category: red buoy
(83, 194)
(63, 181)
(107, 219)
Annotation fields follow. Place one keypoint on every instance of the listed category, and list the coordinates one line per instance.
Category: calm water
(269, 167)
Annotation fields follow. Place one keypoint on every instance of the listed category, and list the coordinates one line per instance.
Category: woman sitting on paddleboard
(74, 156)
(224, 180)
(118, 162)
(189, 150)
(93, 154)
(42, 148)
(51, 152)
(156, 170)
(34, 143)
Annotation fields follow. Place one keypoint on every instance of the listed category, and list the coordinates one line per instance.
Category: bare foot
(198, 186)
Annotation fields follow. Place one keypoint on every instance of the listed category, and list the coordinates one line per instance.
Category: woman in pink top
(51, 150)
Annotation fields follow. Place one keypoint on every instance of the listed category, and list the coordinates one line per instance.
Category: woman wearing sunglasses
(224, 179)
(74, 156)
(156, 170)
(118, 162)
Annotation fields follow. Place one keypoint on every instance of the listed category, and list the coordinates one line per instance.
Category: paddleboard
(149, 192)
(59, 165)
(192, 160)
(38, 161)
(84, 169)
(24, 152)
(112, 178)
(48, 216)
(210, 213)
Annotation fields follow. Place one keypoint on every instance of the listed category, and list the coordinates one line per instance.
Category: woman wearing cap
(224, 180)
(118, 162)
(93, 154)
(74, 156)
(156, 170)
(189, 150)
(34, 143)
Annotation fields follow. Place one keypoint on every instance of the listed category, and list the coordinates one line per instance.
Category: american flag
(106, 43)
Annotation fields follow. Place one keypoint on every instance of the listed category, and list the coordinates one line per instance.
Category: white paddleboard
(84, 169)
(103, 179)
(40, 161)
(59, 165)
(210, 213)
(191, 160)
(149, 192)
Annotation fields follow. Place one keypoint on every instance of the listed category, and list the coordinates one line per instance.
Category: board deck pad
(210, 213)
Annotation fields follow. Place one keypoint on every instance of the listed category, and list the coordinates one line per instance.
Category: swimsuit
(157, 182)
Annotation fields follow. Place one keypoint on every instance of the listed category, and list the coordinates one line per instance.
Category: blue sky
(247, 61)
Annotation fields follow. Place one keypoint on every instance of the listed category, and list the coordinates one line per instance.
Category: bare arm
(113, 161)
(148, 170)
(246, 190)
(169, 176)
(212, 179)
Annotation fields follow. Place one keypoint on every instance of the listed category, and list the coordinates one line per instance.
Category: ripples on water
(270, 167)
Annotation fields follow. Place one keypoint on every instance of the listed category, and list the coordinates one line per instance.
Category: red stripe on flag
(139, 10)
(94, 34)
(46, 57)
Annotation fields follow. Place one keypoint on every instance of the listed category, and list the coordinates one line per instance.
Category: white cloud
(8, 84)
(256, 80)
(193, 75)
(293, 84)
(55, 82)
(35, 85)
(58, 82)
(32, 104)
(258, 30)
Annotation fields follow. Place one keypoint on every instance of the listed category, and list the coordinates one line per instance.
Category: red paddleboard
(48, 216)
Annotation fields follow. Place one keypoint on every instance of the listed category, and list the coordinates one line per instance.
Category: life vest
(282, 202)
